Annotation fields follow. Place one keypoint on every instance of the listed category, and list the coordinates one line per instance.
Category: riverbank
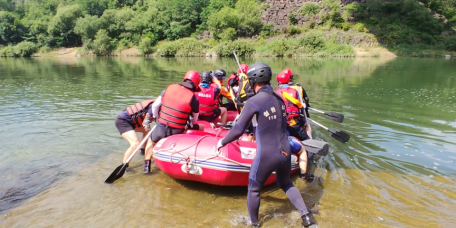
(134, 52)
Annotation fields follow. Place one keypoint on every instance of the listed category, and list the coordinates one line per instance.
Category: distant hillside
(106, 27)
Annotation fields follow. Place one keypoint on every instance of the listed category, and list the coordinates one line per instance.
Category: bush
(267, 30)
(310, 9)
(228, 34)
(313, 42)
(277, 48)
(292, 18)
(242, 47)
(24, 49)
(145, 46)
(7, 51)
(450, 43)
(102, 43)
(294, 31)
(185, 47)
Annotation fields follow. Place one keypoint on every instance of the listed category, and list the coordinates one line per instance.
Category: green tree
(212, 7)
(102, 44)
(11, 29)
(87, 27)
(225, 18)
(62, 24)
(93, 7)
(114, 21)
(250, 17)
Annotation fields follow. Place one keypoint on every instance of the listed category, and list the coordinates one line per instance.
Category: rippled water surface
(58, 144)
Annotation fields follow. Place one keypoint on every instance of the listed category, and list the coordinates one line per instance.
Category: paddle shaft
(235, 56)
(315, 122)
(316, 110)
(140, 145)
(331, 115)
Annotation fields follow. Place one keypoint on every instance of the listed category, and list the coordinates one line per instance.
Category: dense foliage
(105, 26)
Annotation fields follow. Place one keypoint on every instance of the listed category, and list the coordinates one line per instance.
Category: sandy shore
(133, 52)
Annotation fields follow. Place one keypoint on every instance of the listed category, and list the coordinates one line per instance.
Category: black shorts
(123, 125)
(212, 117)
(298, 132)
(160, 131)
(229, 106)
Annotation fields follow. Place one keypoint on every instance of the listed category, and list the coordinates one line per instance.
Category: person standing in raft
(267, 111)
(129, 122)
(296, 120)
(173, 109)
(207, 96)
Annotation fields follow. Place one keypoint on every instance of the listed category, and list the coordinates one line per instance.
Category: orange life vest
(138, 112)
(207, 100)
(292, 110)
(176, 106)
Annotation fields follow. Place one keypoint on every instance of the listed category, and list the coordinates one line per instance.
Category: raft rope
(189, 158)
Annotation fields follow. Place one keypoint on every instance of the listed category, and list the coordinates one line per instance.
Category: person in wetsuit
(267, 111)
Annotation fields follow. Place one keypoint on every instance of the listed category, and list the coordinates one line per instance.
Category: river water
(58, 144)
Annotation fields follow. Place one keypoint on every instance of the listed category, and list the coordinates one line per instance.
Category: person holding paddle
(131, 121)
(267, 111)
(173, 110)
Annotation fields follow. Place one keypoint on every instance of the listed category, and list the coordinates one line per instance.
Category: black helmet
(206, 77)
(259, 72)
(220, 74)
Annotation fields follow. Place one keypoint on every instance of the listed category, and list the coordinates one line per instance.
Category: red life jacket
(207, 100)
(292, 110)
(138, 111)
(214, 85)
(176, 106)
(233, 79)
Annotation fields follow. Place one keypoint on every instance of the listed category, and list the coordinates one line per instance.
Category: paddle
(331, 115)
(335, 133)
(235, 56)
(231, 88)
(120, 170)
(316, 146)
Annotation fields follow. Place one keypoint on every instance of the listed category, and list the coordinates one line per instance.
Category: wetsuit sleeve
(242, 123)
(194, 104)
(217, 93)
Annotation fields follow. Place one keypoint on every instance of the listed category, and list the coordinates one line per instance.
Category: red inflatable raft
(193, 156)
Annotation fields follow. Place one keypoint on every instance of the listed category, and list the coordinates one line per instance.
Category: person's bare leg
(223, 115)
(251, 138)
(303, 160)
(133, 140)
(144, 134)
(148, 155)
(149, 149)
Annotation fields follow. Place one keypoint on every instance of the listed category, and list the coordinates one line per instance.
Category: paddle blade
(118, 173)
(335, 116)
(339, 135)
(316, 146)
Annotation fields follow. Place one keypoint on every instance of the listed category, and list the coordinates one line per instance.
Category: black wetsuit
(273, 148)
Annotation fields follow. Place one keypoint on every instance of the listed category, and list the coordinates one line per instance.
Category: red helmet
(243, 68)
(193, 76)
(287, 72)
(283, 78)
